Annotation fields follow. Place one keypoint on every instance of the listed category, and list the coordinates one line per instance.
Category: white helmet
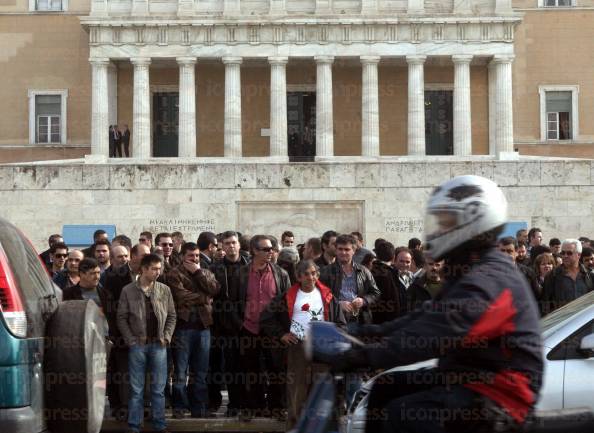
(459, 210)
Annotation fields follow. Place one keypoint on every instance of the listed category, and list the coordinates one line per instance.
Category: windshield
(558, 316)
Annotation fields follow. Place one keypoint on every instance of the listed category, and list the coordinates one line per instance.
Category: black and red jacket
(275, 321)
(484, 329)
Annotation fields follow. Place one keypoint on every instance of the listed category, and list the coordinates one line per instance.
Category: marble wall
(381, 199)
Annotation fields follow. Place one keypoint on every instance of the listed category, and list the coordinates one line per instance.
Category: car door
(569, 373)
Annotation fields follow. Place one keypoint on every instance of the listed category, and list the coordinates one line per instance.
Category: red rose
(305, 307)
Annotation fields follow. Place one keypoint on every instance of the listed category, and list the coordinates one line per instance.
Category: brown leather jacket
(193, 291)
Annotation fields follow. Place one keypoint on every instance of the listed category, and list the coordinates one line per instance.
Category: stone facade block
(268, 176)
(245, 176)
(95, 176)
(6, 178)
(529, 173)
(552, 173)
(342, 175)
(505, 173)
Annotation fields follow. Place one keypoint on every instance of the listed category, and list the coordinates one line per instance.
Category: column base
(96, 159)
(508, 156)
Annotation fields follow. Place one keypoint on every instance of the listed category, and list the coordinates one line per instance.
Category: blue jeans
(191, 348)
(143, 358)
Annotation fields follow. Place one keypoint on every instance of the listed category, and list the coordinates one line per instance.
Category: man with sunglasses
(69, 276)
(58, 254)
(259, 282)
(164, 247)
(569, 281)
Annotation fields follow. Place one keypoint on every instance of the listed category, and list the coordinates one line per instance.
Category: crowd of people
(231, 311)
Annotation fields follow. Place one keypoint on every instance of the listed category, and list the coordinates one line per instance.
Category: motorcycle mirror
(325, 341)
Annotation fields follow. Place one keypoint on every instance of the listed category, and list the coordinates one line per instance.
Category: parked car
(52, 353)
(568, 381)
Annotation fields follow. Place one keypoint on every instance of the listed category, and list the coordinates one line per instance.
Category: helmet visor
(439, 222)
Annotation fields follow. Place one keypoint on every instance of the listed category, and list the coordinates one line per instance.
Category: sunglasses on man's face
(566, 253)
(60, 256)
(164, 244)
(264, 249)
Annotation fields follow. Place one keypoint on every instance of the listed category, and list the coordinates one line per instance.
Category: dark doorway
(165, 124)
(301, 125)
(439, 121)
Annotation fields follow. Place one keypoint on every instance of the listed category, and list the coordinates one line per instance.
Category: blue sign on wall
(81, 235)
(512, 227)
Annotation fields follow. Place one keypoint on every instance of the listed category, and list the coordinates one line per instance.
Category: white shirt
(307, 307)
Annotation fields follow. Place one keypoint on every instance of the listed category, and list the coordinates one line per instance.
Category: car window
(569, 348)
(31, 277)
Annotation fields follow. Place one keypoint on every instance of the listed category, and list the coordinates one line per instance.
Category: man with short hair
(146, 318)
(328, 256)
(522, 236)
(121, 273)
(392, 300)
(509, 246)
(98, 235)
(259, 282)
(207, 242)
(146, 238)
(178, 241)
(88, 286)
(534, 238)
(360, 250)
(585, 241)
(427, 285)
(228, 321)
(45, 255)
(522, 254)
(101, 253)
(287, 239)
(555, 245)
(122, 240)
(415, 244)
(58, 255)
(568, 281)
(587, 258)
(69, 277)
(312, 249)
(352, 284)
(403, 263)
(164, 242)
(193, 289)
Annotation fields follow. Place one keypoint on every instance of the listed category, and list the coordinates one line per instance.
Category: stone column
(277, 7)
(99, 108)
(232, 107)
(370, 107)
(278, 107)
(504, 117)
(416, 105)
(462, 116)
(141, 110)
(492, 126)
(324, 118)
(187, 107)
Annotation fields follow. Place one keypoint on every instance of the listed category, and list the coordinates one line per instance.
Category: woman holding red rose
(287, 318)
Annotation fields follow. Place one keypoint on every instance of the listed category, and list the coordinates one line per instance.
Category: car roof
(563, 322)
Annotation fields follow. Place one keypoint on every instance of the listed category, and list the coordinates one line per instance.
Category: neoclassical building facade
(297, 80)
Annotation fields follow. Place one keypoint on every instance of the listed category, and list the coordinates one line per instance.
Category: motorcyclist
(482, 327)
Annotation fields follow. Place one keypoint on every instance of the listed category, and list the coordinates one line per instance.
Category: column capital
(416, 59)
(278, 60)
(462, 58)
(503, 58)
(99, 61)
(232, 60)
(370, 60)
(186, 61)
(324, 59)
(140, 61)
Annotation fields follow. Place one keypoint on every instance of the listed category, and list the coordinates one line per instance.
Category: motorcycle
(325, 343)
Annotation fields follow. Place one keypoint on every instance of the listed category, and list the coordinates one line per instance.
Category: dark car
(52, 354)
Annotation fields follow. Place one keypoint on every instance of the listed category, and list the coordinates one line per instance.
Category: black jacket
(483, 327)
(227, 274)
(553, 293)
(417, 293)
(331, 276)
(234, 301)
(392, 300)
(113, 281)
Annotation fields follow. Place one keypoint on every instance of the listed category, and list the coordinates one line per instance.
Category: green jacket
(131, 316)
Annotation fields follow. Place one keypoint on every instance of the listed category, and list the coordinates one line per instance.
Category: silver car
(568, 340)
